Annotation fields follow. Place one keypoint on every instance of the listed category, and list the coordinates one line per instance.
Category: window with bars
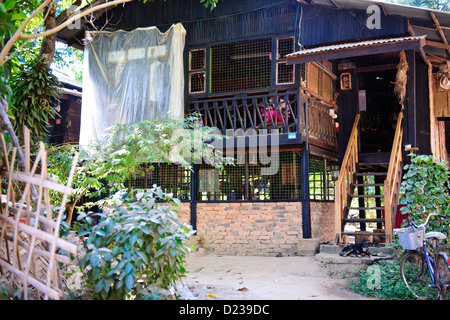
(322, 174)
(284, 72)
(171, 178)
(244, 180)
(240, 66)
(253, 177)
(197, 71)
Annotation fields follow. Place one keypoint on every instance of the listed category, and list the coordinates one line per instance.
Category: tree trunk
(48, 46)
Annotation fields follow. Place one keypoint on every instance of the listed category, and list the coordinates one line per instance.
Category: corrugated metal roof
(411, 12)
(349, 45)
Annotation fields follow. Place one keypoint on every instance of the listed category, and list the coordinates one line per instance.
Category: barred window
(322, 174)
(171, 178)
(227, 184)
(253, 177)
(284, 72)
(197, 71)
(241, 66)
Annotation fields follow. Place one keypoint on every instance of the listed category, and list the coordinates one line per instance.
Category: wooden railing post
(346, 177)
(392, 182)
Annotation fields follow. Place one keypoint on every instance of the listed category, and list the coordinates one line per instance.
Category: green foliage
(9, 17)
(123, 151)
(209, 3)
(70, 60)
(424, 189)
(34, 90)
(391, 285)
(59, 163)
(137, 250)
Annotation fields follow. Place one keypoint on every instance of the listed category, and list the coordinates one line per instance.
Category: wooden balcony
(280, 113)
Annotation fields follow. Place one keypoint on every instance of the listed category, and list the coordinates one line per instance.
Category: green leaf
(94, 259)
(99, 286)
(9, 4)
(129, 281)
(18, 16)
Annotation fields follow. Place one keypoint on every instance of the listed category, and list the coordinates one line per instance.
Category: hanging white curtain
(130, 77)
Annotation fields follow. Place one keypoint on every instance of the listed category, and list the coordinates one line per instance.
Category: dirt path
(264, 278)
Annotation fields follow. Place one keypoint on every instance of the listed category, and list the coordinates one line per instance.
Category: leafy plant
(34, 90)
(389, 286)
(424, 189)
(9, 16)
(137, 250)
(122, 152)
(59, 162)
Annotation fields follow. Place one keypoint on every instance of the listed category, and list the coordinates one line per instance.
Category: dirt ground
(212, 277)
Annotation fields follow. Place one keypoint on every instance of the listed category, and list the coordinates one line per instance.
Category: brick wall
(322, 220)
(250, 228)
(184, 212)
(257, 228)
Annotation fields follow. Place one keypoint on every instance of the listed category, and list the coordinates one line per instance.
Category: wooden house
(342, 86)
(65, 127)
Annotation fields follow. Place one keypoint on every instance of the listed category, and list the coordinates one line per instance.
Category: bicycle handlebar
(428, 218)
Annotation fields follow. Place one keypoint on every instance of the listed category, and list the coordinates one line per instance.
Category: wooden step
(361, 174)
(368, 184)
(361, 220)
(367, 196)
(362, 233)
(373, 166)
(366, 208)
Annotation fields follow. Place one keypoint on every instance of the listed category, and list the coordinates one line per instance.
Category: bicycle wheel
(414, 271)
(442, 275)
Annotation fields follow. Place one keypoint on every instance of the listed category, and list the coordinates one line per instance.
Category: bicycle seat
(436, 235)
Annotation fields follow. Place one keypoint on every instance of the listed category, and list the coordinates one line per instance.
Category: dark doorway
(378, 108)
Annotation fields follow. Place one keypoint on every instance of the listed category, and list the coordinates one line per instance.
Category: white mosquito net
(130, 77)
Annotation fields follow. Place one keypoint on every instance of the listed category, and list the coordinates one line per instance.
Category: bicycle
(418, 260)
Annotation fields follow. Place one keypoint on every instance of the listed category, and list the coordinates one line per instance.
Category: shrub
(137, 250)
(389, 286)
(424, 189)
(34, 90)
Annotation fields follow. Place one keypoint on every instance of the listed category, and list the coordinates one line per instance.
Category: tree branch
(66, 13)
(19, 35)
(4, 117)
(71, 20)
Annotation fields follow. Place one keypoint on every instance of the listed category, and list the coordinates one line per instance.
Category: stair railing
(346, 178)
(393, 179)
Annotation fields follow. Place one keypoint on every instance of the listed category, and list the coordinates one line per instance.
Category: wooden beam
(434, 58)
(439, 28)
(437, 44)
(334, 2)
(422, 51)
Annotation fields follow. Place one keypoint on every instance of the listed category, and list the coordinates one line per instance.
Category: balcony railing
(277, 111)
(321, 125)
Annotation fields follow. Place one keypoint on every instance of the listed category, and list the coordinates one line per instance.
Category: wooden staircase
(364, 211)
(366, 192)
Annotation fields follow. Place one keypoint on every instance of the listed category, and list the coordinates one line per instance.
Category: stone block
(308, 247)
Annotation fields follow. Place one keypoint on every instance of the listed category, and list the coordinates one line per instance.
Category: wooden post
(306, 214)
(194, 193)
